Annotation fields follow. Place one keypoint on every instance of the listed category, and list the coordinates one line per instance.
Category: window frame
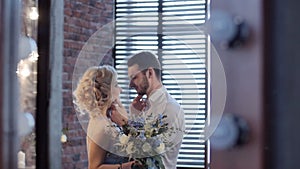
(160, 54)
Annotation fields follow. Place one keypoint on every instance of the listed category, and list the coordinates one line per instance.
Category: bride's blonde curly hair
(93, 92)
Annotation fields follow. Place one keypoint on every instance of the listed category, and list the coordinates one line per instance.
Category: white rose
(160, 148)
(148, 126)
(124, 139)
(129, 148)
(146, 147)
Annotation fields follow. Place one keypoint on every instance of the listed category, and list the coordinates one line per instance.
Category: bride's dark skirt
(115, 159)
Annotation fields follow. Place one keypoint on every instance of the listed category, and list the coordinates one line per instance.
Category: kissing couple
(147, 135)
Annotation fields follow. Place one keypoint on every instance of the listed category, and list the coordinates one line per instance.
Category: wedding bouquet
(144, 138)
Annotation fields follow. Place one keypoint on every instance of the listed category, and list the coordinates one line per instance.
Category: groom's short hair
(144, 60)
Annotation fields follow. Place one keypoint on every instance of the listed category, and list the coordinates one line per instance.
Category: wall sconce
(227, 30)
(232, 131)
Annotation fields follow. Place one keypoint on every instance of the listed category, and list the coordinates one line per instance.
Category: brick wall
(82, 19)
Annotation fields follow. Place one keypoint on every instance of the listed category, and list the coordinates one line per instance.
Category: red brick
(82, 19)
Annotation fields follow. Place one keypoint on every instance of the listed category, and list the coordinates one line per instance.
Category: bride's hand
(127, 165)
(119, 107)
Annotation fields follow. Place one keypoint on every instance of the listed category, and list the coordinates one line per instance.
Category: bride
(96, 93)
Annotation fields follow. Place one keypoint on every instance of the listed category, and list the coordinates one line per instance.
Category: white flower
(146, 147)
(124, 139)
(129, 148)
(63, 138)
(148, 126)
(160, 148)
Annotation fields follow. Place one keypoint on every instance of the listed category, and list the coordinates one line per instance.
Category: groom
(144, 71)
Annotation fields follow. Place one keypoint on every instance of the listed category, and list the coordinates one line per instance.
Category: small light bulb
(23, 70)
(33, 14)
(221, 26)
(63, 138)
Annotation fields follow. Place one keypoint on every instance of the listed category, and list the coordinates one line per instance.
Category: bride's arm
(96, 157)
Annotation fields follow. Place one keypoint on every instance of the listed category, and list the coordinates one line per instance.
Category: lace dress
(99, 131)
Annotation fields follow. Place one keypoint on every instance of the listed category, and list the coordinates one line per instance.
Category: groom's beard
(144, 86)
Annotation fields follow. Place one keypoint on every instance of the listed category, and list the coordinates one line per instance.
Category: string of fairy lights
(28, 47)
(27, 77)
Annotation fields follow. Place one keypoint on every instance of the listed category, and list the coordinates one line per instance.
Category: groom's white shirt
(161, 102)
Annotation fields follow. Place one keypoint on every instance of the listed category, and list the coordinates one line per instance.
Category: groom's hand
(138, 103)
(117, 117)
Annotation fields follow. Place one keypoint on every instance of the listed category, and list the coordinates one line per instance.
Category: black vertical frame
(282, 35)
(43, 86)
(160, 33)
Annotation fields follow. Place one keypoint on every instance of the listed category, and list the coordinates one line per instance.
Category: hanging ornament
(26, 123)
(27, 46)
